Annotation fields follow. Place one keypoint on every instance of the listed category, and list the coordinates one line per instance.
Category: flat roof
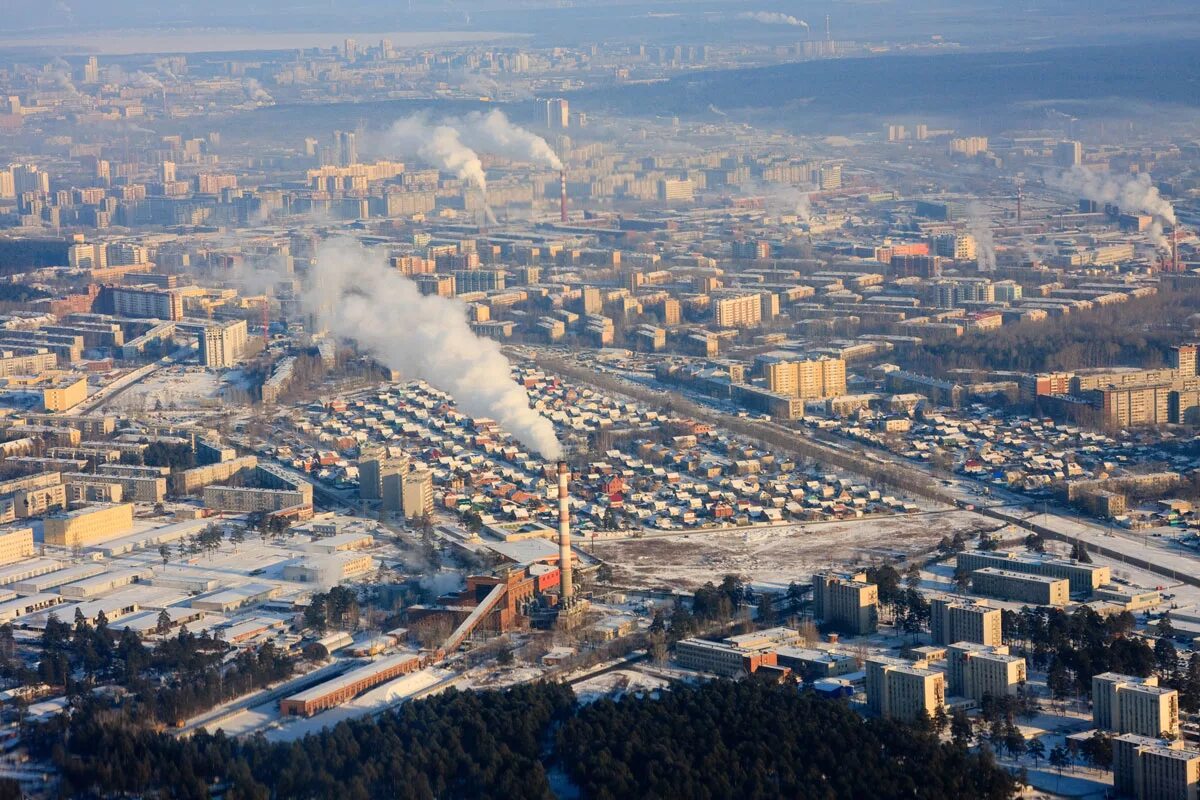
(355, 675)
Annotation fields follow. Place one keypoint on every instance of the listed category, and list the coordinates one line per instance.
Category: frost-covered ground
(778, 555)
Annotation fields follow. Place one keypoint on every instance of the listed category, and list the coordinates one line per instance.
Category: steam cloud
(493, 133)
(1130, 193)
(356, 296)
(773, 18)
(979, 226)
(440, 145)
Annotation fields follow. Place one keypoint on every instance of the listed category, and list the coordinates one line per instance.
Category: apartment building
(1149, 768)
(846, 601)
(811, 379)
(146, 301)
(1129, 704)
(903, 690)
(1083, 578)
(977, 670)
(221, 345)
(16, 543)
(743, 311)
(954, 620)
(89, 525)
(1017, 586)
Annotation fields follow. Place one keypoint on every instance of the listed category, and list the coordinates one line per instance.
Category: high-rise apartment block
(846, 601)
(978, 670)
(1149, 768)
(222, 344)
(1129, 704)
(811, 379)
(744, 311)
(953, 621)
(903, 690)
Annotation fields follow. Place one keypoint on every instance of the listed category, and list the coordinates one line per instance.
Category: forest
(1124, 334)
(722, 739)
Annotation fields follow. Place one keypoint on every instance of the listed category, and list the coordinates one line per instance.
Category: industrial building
(722, 659)
(345, 687)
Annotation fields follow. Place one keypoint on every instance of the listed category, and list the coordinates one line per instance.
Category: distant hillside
(951, 83)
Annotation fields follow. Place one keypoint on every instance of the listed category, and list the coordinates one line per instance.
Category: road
(257, 698)
(1143, 551)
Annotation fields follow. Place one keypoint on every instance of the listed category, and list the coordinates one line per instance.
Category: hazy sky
(973, 22)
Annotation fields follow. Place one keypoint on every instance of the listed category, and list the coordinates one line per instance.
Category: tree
(766, 609)
(604, 573)
(1014, 741)
(1035, 543)
(912, 576)
(163, 623)
(962, 579)
(1079, 552)
(164, 552)
(1164, 628)
(961, 731)
(1036, 750)
(1059, 758)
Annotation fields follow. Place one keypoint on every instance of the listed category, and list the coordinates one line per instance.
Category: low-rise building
(1019, 587)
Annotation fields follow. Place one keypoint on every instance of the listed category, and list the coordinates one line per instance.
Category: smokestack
(562, 195)
(1175, 249)
(564, 533)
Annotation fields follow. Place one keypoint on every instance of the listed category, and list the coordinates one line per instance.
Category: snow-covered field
(616, 684)
(169, 389)
(778, 555)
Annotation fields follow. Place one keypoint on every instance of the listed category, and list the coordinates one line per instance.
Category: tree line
(722, 739)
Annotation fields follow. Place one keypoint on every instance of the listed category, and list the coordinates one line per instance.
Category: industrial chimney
(562, 198)
(564, 533)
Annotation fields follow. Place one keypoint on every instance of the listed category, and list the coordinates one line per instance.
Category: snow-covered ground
(617, 684)
(372, 702)
(178, 387)
(778, 555)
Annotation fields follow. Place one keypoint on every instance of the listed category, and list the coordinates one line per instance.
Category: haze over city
(599, 400)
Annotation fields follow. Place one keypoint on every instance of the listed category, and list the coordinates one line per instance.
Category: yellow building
(977, 670)
(65, 394)
(744, 311)
(1148, 768)
(89, 525)
(1129, 704)
(813, 379)
(15, 544)
(953, 621)
(903, 690)
(1039, 590)
(846, 601)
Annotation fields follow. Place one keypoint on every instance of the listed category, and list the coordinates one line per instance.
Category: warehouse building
(334, 692)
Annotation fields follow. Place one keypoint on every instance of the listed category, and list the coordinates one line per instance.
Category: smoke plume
(440, 145)
(773, 18)
(357, 297)
(1130, 193)
(493, 133)
(979, 226)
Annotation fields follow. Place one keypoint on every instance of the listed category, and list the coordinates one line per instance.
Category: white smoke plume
(493, 133)
(257, 93)
(773, 18)
(440, 145)
(1130, 193)
(357, 297)
(145, 80)
(979, 226)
